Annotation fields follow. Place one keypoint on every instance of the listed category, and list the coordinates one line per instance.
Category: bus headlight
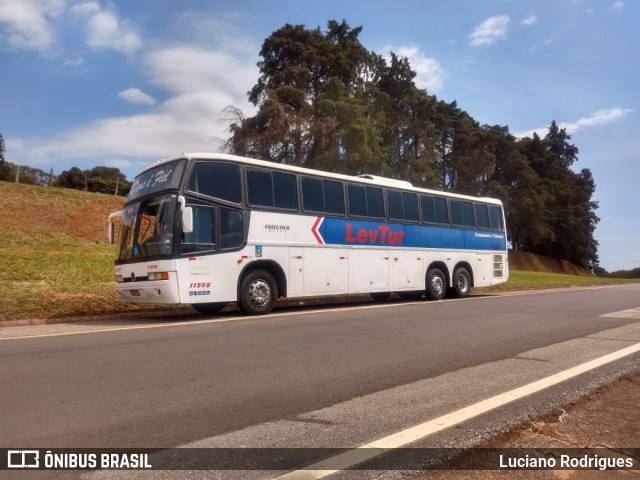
(119, 279)
(159, 276)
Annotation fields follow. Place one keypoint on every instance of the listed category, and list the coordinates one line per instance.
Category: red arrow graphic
(316, 230)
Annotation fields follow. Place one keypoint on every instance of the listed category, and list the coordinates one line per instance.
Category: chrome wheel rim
(260, 292)
(437, 284)
(463, 283)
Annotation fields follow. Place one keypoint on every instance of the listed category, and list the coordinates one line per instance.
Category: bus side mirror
(110, 233)
(187, 220)
(111, 227)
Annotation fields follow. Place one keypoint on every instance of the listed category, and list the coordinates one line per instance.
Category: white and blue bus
(208, 229)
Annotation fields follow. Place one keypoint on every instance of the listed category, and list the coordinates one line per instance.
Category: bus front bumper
(163, 291)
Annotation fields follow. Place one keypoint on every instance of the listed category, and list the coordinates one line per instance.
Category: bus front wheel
(258, 293)
(436, 284)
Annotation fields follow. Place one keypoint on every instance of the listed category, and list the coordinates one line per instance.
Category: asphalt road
(334, 377)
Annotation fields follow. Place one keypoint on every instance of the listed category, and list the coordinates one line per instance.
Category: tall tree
(311, 89)
(324, 101)
(72, 178)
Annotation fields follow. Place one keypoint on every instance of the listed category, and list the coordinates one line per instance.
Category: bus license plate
(135, 293)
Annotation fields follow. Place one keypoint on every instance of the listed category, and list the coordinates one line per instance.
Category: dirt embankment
(519, 260)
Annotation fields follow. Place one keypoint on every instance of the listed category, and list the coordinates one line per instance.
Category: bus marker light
(159, 276)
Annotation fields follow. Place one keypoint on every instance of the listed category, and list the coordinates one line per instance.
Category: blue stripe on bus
(338, 231)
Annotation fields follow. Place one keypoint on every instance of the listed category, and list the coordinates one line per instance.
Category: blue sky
(123, 83)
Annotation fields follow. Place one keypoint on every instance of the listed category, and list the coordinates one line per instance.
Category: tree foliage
(324, 101)
(25, 174)
(107, 180)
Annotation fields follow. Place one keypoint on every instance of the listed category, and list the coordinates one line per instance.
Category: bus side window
(357, 200)
(202, 239)
(259, 188)
(285, 190)
(333, 197)
(231, 228)
(218, 180)
(375, 202)
(482, 215)
(323, 196)
(461, 213)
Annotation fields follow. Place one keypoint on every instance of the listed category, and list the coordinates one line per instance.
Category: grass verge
(523, 280)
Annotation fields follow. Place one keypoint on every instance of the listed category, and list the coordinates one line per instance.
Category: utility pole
(18, 174)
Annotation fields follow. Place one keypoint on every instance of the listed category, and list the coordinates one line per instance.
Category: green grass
(54, 259)
(523, 280)
(58, 279)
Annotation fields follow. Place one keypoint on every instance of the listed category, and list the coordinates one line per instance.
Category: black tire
(208, 308)
(380, 296)
(258, 293)
(461, 283)
(436, 284)
(411, 295)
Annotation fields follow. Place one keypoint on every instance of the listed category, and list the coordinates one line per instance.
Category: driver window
(203, 237)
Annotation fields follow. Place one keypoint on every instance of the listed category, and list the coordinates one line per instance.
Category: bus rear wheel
(258, 293)
(436, 284)
(461, 283)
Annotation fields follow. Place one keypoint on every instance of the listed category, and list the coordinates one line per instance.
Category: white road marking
(373, 449)
(629, 313)
(305, 312)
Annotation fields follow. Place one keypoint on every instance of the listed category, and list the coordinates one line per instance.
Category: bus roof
(362, 179)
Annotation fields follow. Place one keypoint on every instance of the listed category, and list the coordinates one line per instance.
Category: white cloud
(190, 120)
(617, 5)
(429, 73)
(34, 25)
(136, 97)
(600, 117)
(490, 31)
(120, 163)
(185, 69)
(85, 9)
(105, 30)
(597, 118)
(530, 20)
(28, 24)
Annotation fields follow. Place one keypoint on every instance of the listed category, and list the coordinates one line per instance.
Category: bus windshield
(148, 227)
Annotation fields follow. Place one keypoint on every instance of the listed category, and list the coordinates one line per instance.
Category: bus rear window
(496, 218)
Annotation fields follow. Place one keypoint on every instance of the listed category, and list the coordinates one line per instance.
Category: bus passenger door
(295, 285)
